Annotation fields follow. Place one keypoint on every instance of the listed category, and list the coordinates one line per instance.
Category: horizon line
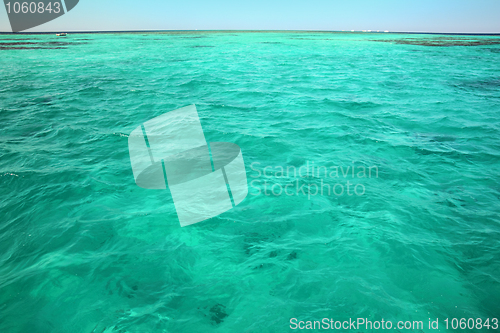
(252, 30)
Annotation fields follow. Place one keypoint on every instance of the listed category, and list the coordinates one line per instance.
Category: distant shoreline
(251, 31)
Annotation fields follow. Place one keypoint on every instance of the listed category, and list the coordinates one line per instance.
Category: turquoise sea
(84, 249)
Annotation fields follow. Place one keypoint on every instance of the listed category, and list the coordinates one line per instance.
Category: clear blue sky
(393, 15)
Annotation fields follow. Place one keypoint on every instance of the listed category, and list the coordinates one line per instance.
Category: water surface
(83, 249)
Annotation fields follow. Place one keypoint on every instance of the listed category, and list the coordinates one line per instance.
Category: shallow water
(83, 249)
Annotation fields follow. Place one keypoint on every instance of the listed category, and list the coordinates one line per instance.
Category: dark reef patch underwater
(444, 41)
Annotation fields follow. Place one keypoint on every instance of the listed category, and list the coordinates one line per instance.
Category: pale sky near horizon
(468, 16)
